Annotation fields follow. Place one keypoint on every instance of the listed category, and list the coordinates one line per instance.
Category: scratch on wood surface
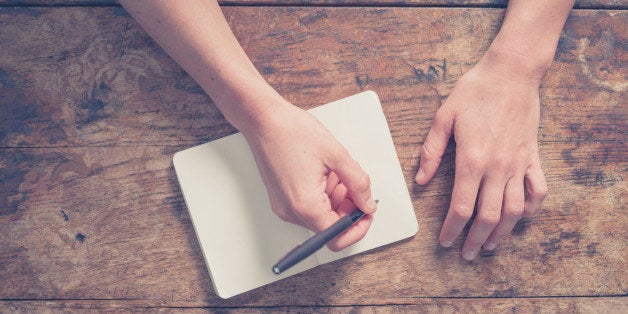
(362, 80)
(121, 208)
(618, 86)
(16, 109)
(70, 167)
(431, 73)
(123, 41)
(80, 237)
(64, 215)
(312, 17)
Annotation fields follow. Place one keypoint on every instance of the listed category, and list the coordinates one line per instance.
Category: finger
(489, 213)
(339, 194)
(463, 196)
(512, 209)
(332, 182)
(355, 179)
(315, 212)
(355, 233)
(319, 219)
(434, 146)
(536, 189)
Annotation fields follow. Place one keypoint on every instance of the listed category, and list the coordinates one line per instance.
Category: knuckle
(338, 155)
(283, 215)
(489, 218)
(363, 183)
(462, 211)
(501, 163)
(514, 210)
(310, 208)
(541, 192)
(427, 151)
(474, 162)
(300, 207)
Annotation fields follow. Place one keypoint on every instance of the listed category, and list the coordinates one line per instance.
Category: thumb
(434, 146)
(355, 179)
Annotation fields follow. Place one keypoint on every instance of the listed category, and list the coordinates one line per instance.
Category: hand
(310, 177)
(493, 114)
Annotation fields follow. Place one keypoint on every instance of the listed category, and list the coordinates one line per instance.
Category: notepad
(240, 236)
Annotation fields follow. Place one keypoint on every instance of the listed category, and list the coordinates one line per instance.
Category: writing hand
(310, 177)
(493, 115)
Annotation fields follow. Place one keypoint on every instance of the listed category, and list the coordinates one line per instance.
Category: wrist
(253, 111)
(517, 66)
(243, 98)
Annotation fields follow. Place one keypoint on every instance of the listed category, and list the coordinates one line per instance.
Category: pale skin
(493, 114)
(311, 179)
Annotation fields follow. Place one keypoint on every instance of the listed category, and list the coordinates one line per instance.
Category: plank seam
(193, 143)
(338, 305)
(350, 5)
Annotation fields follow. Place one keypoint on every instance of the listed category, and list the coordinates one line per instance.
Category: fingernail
(490, 246)
(420, 175)
(446, 243)
(371, 204)
(469, 255)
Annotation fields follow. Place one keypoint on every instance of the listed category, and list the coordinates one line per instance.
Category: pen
(316, 242)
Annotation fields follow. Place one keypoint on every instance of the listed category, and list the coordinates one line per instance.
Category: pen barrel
(315, 243)
(337, 228)
(298, 254)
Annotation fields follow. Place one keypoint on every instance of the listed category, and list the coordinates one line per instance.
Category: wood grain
(91, 214)
(111, 85)
(606, 4)
(110, 222)
(444, 305)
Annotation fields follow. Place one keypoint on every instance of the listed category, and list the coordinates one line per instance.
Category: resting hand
(493, 114)
(310, 177)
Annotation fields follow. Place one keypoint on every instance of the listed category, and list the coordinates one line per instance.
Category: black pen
(316, 242)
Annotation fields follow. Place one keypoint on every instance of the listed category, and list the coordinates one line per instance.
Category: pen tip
(276, 270)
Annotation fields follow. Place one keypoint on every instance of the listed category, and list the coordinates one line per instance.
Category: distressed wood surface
(91, 214)
(600, 4)
(444, 305)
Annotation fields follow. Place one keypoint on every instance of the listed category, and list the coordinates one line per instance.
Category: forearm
(529, 36)
(196, 35)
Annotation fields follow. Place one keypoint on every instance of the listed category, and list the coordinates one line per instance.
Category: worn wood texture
(77, 93)
(90, 117)
(427, 305)
(606, 4)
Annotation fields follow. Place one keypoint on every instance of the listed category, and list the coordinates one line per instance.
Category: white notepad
(240, 236)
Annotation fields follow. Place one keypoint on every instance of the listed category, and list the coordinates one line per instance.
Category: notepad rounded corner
(222, 294)
(176, 157)
(415, 229)
(222, 290)
(371, 94)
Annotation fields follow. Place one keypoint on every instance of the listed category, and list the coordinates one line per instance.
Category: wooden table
(92, 110)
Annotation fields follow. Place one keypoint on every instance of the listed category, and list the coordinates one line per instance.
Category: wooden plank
(110, 222)
(90, 117)
(606, 4)
(447, 305)
(107, 83)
